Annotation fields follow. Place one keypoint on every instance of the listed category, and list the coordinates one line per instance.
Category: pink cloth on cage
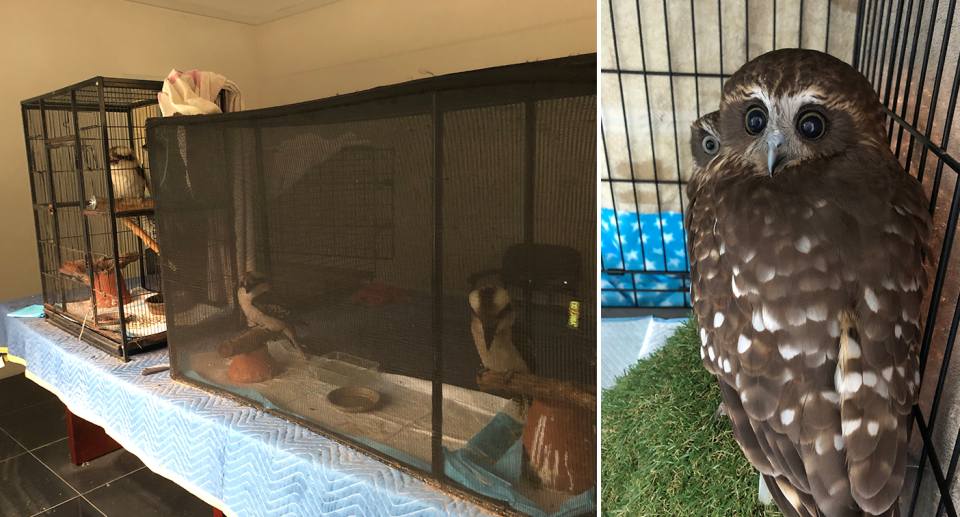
(195, 92)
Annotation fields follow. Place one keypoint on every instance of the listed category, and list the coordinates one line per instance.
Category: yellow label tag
(574, 320)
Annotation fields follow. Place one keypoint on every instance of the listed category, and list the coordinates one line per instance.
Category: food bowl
(353, 399)
(155, 304)
(111, 320)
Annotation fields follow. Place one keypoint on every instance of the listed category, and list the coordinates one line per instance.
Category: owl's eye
(756, 120)
(710, 145)
(811, 125)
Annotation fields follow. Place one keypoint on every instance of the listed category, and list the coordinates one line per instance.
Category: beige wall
(347, 46)
(353, 45)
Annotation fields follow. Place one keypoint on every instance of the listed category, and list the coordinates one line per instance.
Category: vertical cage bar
(676, 146)
(877, 73)
(85, 224)
(436, 438)
(32, 168)
(140, 250)
(115, 247)
(826, 32)
(903, 53)
(48, 165)
(909, 82)
(923, 77)
(613, 197)
(947, 126)
(893, 52)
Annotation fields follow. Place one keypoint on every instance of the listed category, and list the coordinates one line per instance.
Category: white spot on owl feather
(873, 428)
(711, 353)
(852, 383)
(743, 344)
(796, 316)
(736, 270)
(765, 273)
(838, 442)
(897, 330)
(733, 285)
(833, 328)
(738, 381)
(770, 321)
(831, 396)
(788, 351)
(717, 320)
(870, 379)
(702, 353)
(916, 377)
(853, 349)
(787, 416)
(802, 244)
(750, 255)
(703, 336)
(887, 373)
(871, 298)
(849, 426)
(817, 312)
(758, 321)
(726, 365)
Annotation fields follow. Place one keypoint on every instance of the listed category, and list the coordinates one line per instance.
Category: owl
(807, 242)
(704, 141)
(129, 181)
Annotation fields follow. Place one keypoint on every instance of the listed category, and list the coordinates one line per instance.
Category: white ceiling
(251, 12)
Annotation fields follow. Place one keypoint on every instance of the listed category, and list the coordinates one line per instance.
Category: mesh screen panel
(405, 240)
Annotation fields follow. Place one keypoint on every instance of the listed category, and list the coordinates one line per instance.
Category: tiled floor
(37, 477)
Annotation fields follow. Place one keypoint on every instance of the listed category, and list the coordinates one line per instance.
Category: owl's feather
(807, 285)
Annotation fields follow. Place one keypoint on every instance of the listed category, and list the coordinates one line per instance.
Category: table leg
(87, 441)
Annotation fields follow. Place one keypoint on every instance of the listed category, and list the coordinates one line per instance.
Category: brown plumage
(806, 241)
(704, 141)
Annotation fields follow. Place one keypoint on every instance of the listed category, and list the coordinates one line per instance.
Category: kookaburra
(263, 308)
(128, 178)
(501, 349)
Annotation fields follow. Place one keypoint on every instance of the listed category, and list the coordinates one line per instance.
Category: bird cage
(663, 66)
(408, 270)
(89, 178)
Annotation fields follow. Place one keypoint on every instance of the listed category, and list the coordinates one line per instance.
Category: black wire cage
(351, 264)
(908, 49)
(99, 264)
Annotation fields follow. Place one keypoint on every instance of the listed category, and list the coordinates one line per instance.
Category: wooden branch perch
(77, 269)
(247, 342)
(140, 233)
(101, 204)
(539, 387)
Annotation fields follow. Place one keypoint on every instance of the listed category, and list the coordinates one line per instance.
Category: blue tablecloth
(238, 459)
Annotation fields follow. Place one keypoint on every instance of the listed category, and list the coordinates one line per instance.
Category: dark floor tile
(29, 487)
(77, 507)
(8, 447)
(145, 494)
(91, 474)
(38, 425)
(18, 392)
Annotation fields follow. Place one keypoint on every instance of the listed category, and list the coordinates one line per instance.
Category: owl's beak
(773, 142)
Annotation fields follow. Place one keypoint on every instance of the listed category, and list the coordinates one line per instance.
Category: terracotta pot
(105, 289)
(256, 366)
(560, 447)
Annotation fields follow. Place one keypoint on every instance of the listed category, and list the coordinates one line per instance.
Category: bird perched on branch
(263, 308)
(493, 322)
(807, 243)
(128, 178)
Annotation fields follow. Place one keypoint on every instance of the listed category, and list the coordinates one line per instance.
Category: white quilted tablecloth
(238, 459)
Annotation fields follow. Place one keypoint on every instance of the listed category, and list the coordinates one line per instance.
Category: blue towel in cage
(490, 463)
(645, 242)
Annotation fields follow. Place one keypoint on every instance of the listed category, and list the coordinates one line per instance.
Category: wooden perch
(77, 269)
(140, 233)
(245, 343)
(102, 204)
(538, 387)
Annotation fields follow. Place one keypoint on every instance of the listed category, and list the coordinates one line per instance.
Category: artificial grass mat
(661, 455)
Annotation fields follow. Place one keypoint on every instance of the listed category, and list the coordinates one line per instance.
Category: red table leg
(87, 441)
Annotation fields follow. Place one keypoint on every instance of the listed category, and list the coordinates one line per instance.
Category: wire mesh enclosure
(663, 66)
(351, 264)
(93, 212)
